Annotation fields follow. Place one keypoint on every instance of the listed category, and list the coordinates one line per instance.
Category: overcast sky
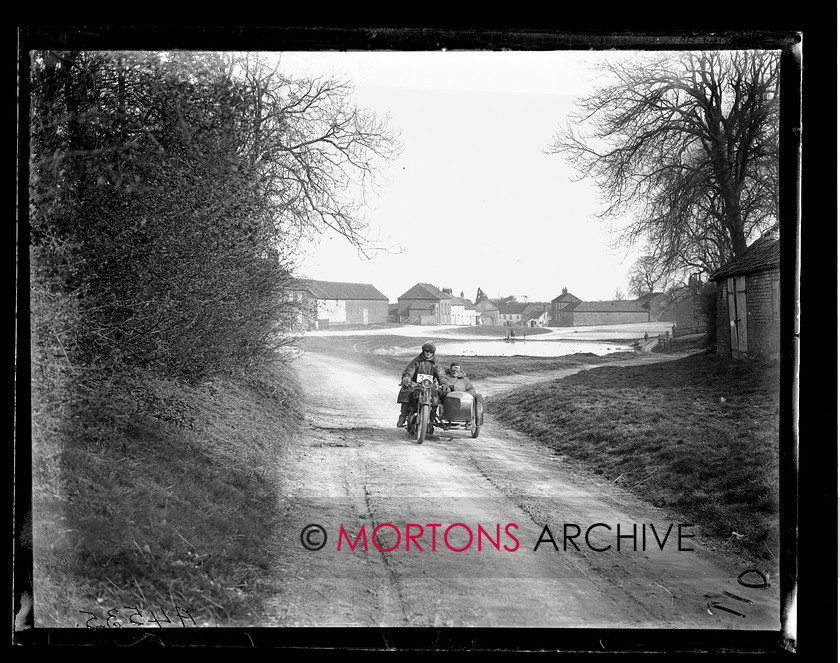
(473, 186)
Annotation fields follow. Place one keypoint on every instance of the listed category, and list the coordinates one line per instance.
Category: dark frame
(801, 416)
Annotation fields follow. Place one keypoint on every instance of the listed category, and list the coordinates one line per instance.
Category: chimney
(565, 291)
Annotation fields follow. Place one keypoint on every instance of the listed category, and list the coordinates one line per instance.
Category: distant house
(535, 315)
(425, 304)
(749, 302)
(334, 303)
(463, 312)
(559, 313)
(488, 313)
(511, 314)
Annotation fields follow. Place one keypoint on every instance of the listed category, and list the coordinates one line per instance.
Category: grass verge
(153, 499)
(698, 436)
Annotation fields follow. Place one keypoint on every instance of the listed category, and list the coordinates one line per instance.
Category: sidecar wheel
(478, 419)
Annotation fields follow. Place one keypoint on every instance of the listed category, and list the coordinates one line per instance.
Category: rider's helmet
(428, 346)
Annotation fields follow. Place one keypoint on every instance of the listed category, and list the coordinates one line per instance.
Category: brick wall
(354, 311)
(763, 323)
(723, 332)
(689, 315)
(585, 318)
(562, 319)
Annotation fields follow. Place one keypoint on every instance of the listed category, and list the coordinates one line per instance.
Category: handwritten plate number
(158, 621)
(133, 614)
(93, 617)
(178, 611)
(116, 624)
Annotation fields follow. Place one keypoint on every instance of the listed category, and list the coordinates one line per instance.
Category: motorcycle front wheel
(422, 422)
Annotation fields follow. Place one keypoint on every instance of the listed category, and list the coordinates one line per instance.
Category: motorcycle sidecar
(460, 409)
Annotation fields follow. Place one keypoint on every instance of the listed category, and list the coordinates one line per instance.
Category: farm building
(748, 302)
(559, 313)
(425, 304)
(463, 311)
(488, 313)
(511, 314)
(569, 311)
(334, 303)
(535, 315)
(611, 312)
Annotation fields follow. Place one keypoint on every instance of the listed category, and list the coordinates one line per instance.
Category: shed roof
(341, 290)
(763, 253)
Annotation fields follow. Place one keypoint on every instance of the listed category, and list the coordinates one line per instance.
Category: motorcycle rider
(457, 380)
(423, 363)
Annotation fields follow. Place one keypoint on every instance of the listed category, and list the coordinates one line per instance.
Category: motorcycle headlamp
(427, 384)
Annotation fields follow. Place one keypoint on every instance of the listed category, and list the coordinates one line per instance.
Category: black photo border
(808, 178)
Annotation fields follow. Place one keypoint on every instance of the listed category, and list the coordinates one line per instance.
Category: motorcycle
(458, 410)
(422, 406)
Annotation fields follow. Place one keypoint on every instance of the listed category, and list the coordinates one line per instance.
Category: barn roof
(463, 301)
(513, 309)
(341, 290)
(424, 291)
(486, 305)
(763, 253)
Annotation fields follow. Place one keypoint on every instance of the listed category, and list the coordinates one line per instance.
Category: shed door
(365, 315)
(736, 288)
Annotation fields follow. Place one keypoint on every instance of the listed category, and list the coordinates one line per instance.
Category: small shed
(748, 302)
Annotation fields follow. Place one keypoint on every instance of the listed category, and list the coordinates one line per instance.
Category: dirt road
(354, 469)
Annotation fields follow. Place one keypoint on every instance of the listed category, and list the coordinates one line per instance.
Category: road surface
(353, 469)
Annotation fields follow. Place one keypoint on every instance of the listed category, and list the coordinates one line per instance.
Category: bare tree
(319, 155)
(618, 295)
(685, 147)
(647, 275)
